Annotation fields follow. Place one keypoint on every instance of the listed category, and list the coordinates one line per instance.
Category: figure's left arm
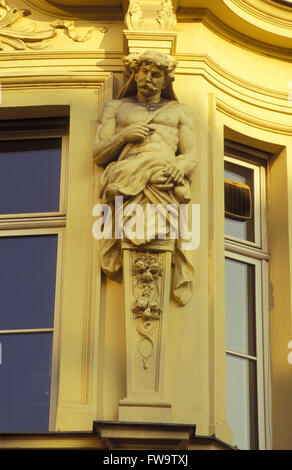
(186, 161)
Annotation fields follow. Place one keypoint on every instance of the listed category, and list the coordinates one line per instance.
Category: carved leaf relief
(147, 273)
(20, 38)
(166, 17)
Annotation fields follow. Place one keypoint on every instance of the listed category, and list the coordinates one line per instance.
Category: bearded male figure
(146, 143)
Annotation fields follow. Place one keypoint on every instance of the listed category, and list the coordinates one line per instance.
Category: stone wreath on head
(134, 61)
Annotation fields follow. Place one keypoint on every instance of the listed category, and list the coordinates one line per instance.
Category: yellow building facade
(60, 62)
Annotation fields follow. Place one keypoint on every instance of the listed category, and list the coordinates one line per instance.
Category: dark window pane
(241, 399)
(25, 376)
(240, 307)
(30, 176)
(27, 281)
(236, 228)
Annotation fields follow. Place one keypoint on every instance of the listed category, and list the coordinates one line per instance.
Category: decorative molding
(283, 4)
(209, 63)
(188, 64)
(267, 11)
(232, 85)
(32, 222)
(96, 12)
(158, 436)
(20, 39)
(65, 55)
(235, 247)
(253, 121)
(85, 3)
(279, 47)
(150, 15)
(138, 41)
(56, 78)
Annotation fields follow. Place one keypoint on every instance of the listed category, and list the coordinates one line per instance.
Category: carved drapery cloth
(129, 177)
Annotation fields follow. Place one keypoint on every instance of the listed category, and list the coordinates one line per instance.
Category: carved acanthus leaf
(150, 15)
(19, 37)
(134, 18)
(166, 17)
(72, 33)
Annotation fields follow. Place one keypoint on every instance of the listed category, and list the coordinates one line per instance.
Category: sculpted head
(163, 62)
(150, 72)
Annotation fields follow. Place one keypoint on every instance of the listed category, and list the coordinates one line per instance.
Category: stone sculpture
(145, 141)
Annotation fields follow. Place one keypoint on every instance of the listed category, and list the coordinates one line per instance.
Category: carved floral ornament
(147, 272)
(147, 269)
(19, 38)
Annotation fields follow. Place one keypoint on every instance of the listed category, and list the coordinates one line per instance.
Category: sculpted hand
(135, 132)
(159, 178)
(174, 174)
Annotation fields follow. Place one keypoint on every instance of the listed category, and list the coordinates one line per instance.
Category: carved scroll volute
(150, 15)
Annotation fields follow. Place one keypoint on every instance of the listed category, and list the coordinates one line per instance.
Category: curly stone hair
(134, 61)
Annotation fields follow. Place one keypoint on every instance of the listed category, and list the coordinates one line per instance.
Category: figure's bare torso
(164, 135)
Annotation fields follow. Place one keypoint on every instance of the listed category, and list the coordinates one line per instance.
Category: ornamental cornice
(43, 75)
(251, 120)
(54, 78)
(81, 10)
(264, 10)
(281, 49)
(266, 98)
(263, 26)
(283, 4)
(260, 25)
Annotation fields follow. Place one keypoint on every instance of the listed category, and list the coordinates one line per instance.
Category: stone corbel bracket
(151, 25)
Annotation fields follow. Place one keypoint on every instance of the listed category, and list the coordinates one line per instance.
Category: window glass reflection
(26, 372)
(240, 307)
(235, 228)
(241, 401)
(28, 277)
(30, 176)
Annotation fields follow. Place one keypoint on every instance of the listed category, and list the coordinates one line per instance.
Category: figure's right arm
(108, 142)
(110, 139)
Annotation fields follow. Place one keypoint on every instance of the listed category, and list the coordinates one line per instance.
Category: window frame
(41, 224)
(257, 209)
(63, 176)
(256, 254)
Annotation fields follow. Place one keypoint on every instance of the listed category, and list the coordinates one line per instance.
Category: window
(32, 221)
(246, 281)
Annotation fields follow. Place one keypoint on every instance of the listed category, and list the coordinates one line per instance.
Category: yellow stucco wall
(228, 82)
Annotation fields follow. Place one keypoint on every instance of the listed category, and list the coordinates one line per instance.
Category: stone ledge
(118, 435)
(92, 440)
